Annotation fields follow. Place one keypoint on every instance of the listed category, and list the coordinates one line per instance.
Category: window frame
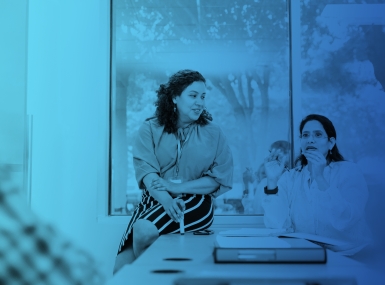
(220, 221)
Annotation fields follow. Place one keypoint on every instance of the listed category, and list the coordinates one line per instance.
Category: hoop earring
(174, 108)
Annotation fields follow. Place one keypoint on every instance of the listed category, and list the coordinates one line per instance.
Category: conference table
(188, 259)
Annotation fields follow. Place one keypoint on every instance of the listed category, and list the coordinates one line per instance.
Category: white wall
(68, 86)
(13, 65)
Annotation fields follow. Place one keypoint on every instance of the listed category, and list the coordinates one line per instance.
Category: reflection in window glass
(242, 49)
(343, 78)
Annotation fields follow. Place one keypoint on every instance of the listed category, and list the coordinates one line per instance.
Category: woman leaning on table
(324, 195)
(181, 161)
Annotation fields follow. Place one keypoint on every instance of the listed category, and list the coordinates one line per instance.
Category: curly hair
(176, 84)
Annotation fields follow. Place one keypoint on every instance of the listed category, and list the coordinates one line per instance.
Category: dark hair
(335, 154)
(177, 83)
(282, 145)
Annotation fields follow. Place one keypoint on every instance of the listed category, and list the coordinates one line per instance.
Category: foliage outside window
(343, 78)
(343, 72)
(241, 47)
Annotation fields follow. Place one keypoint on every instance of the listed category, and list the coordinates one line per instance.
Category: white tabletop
(175, 256)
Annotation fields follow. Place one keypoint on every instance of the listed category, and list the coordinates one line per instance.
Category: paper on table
(331, 243)
(316, 238)
(251, 242)
(252, 232)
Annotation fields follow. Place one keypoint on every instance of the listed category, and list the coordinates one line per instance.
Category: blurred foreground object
(32, 252)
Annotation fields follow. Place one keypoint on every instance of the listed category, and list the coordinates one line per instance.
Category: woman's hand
(317, 161)
(274, 164)
(175, 209)
(161, 184)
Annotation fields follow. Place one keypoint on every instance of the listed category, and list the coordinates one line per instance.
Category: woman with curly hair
(182, 162)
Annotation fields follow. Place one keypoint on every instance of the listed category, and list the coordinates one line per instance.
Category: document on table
(251, 242)
(252, 232)
(265, 232)
(316, 238)
(334, 243)
(256, 249)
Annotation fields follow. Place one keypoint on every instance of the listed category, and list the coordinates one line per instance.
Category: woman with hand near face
(324, 195)
(182, 162)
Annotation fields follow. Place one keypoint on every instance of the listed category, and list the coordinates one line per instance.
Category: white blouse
(338, 212)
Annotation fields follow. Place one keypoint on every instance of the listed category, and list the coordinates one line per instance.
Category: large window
(343, 72)
(343, 77)
(241, 47)
(337, 52)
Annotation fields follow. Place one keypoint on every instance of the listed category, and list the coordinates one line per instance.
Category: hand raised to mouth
(317, 162)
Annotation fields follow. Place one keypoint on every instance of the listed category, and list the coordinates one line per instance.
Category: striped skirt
(199, 215)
